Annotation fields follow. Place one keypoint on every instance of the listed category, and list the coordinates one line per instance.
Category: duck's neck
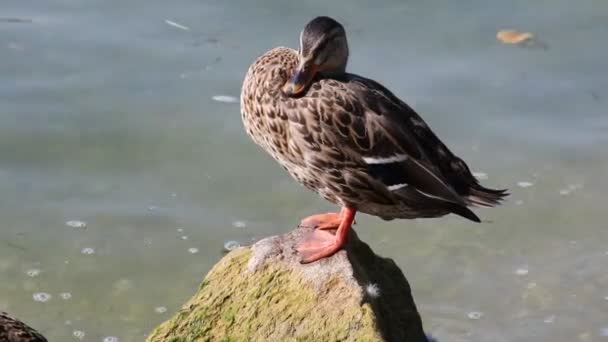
(337, 70)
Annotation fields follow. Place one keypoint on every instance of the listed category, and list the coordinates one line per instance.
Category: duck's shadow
(388, 292)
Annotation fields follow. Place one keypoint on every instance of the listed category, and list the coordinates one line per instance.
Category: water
(108, 118)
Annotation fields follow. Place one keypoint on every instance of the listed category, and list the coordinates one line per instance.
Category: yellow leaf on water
(513, 36)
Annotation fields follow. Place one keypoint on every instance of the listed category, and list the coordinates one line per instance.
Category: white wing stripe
(394, 159)
(396, 187)
(432, 196)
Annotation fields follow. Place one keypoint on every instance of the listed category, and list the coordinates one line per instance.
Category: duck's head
(323, 50)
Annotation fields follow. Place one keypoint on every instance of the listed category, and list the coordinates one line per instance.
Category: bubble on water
(173, 194)
(570, 189)
(79, 334)
(475, 314)
(160, 309)
(180, 230)
(76, 224)
(225, 98)
(480, 175)
(176, 25)
(88, 250)
(34, 272)
(65, 295)
(153, 208)
(68, 322)
(67, 262)
(531, 285)
(549, 319)
(192, 250)
(239, 224)
(521, 271)
(41, 297)
(231, 245)
(519, 202)
(110, 339)
(524, 184)
(184, 237)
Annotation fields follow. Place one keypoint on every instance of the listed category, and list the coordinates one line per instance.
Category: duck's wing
(453, 168)
(397, 146)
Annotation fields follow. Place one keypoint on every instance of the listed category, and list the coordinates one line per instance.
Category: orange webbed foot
(322, 221)
(317, 245)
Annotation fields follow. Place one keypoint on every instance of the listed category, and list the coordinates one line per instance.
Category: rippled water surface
(124, 167)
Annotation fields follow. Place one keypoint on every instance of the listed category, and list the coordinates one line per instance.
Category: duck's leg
(323, 221)
(321, 244)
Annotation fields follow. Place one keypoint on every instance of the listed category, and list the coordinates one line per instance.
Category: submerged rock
(263, 293)
(13, 330)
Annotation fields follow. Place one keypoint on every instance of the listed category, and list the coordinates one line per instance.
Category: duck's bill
(300, 80)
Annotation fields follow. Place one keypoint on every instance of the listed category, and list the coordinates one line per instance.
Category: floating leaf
(514, 36)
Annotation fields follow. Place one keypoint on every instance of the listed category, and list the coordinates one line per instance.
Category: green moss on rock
(263, 294)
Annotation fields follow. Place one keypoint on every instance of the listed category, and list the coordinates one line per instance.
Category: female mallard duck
(351, 140)
(13, 330)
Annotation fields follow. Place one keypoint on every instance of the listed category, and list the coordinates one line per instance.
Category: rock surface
(263, 293)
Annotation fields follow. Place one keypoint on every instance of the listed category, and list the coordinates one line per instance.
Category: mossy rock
(263, 293)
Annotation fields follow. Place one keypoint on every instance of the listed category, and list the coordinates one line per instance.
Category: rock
(263, 293)
(13, 330)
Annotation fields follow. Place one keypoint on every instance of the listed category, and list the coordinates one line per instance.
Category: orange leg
(323, 221)
(321, 244)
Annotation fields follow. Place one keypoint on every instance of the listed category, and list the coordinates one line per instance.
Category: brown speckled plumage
(13, 330)
(352, 141)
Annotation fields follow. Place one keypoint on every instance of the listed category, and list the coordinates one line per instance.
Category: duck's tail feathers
(462, 211)
(480, 196)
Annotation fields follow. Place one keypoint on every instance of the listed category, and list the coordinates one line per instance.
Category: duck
(14, 330)
(351, 140)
